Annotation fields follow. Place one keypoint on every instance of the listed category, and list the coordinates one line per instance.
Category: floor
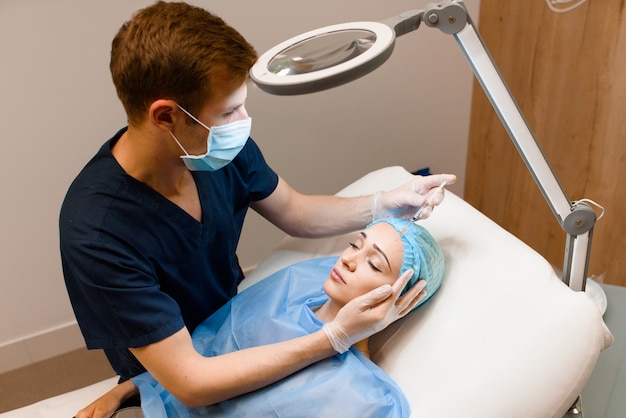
(604, 396)
(52, 377)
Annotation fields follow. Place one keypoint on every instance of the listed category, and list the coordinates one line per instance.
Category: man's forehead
(233, 98)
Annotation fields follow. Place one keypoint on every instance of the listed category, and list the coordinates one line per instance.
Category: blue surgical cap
(422, 253)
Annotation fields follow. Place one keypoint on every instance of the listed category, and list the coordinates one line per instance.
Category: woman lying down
(298, 300)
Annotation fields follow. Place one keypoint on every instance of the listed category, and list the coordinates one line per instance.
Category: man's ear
(163, 114)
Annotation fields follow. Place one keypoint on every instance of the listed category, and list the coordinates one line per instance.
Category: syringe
(429, 202)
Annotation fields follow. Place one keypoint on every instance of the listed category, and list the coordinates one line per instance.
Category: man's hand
(107, 404)
(372, 312)
(404, 201)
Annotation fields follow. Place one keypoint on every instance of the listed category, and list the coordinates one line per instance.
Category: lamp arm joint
(450, 16)
(580, 220)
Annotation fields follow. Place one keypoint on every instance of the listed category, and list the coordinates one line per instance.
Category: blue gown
(276, 309)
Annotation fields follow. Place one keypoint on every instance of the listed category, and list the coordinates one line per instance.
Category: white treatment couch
(503, 337)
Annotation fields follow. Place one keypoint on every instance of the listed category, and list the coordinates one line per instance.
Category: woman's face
(373, 258)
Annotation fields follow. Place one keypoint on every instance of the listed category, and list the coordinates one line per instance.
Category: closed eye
(353, 245)
(373, 266)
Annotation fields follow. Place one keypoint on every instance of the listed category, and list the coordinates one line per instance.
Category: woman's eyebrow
(377, 248)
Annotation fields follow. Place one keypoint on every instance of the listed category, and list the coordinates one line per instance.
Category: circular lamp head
(323, 58)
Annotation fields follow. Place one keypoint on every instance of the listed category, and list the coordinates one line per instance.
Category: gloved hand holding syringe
(429, 202)
(421, 194)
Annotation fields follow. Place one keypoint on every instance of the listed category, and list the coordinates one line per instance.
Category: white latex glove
(404, 201)
(372, 312)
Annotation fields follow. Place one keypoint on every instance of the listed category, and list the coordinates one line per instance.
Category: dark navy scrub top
(138, 267)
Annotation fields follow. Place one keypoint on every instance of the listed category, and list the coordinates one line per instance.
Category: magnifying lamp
(328, 57)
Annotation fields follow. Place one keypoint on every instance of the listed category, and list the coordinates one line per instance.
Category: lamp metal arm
(451, 17)
(577, 221)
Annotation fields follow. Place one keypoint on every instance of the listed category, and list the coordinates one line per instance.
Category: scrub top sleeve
(262, 179)
(121, 303)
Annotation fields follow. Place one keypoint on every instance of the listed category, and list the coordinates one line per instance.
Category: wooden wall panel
(568, 74)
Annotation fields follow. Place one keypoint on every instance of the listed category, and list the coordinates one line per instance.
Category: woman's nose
(349, 261)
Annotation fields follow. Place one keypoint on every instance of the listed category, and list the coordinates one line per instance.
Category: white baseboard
(61, 340)
(45, 345)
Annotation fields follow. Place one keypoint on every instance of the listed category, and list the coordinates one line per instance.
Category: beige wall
(58, 106)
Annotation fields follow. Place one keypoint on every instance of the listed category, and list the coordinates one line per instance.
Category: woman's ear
(163, 114)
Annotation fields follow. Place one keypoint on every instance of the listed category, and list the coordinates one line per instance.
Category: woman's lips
(336, 276)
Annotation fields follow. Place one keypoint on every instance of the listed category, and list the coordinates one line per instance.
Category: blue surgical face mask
(223, 144)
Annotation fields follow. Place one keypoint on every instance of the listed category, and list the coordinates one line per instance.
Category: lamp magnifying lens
(324, 58)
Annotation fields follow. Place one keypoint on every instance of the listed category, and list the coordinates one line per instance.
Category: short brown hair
(180, 52)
